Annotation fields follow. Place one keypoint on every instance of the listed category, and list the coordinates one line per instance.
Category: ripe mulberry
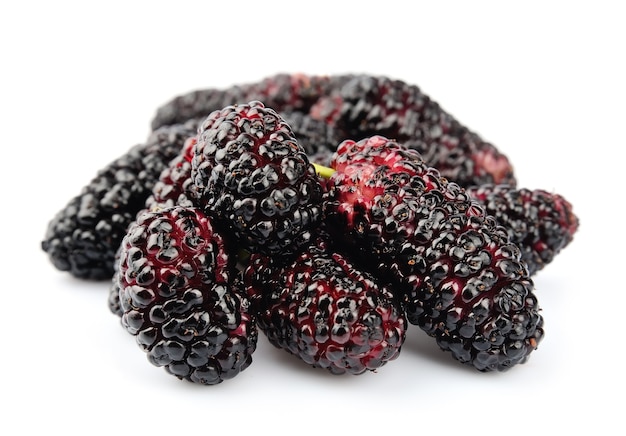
(179, 298)
(253, 176)
(321, 308)
(368, 105)
(282, 92)
(539, 222)
(83, 237)
(460, 278)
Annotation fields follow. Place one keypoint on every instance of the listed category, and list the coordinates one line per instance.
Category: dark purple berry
(541, 223)
(323, 309)
(252, 175)
(369, 105)
(459, 276)
(282, 92)
(179, 298)
(83, 237)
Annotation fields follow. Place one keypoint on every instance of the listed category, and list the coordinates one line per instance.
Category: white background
(80, 82)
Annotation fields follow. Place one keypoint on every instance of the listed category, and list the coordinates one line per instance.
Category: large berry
(541, 223)
(253, 176)
(178, 297)
(369, 105)
(325, 310)
(460, 278)
(83, 237)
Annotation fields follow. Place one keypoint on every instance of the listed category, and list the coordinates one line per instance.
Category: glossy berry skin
(323, 309)
(541, 223)
(370, 105)
(318, 139)
(283, 92)
(252, 175)
(177, 296)
(460, 278)
(358, 106)
(173, 188)
(83, 237)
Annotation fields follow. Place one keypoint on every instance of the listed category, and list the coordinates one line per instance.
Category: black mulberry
(178, 296)
(541, 223)
(83, 237)
(323, 309)
(253, 176)
(460, 278)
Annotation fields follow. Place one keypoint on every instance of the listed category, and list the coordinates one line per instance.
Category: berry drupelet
(459, 277)
(539, 222)
(369, 105)
(323, 309)
(252, 175)
(82, 238)
(179, 298)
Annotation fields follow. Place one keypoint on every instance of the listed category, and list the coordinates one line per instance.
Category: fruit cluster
(328, 213)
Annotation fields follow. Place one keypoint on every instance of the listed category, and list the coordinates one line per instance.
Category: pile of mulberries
(326, 213)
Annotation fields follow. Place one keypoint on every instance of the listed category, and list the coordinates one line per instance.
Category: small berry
(323, 309)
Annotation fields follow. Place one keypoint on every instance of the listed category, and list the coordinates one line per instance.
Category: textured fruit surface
(541, 223)
(253, 176)
(318, 139)
(358, 106)
(326, 311)
(83, 237)
(460, 278)
(369, 105)
(177, 296)
(174, 186)
(282, 92)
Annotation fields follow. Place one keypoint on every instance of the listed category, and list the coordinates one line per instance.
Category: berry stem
(323, 171)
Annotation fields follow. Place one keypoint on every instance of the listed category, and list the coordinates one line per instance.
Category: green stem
(323, 171)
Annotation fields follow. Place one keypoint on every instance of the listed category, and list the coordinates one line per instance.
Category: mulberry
(253, 176)
(83, 237)
(321, 308)
(539, 222)
(282, 92)
(459, 277)
(178, 296)
(367, 105)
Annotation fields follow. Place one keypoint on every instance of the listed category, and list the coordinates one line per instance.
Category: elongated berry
(283, 92)
(83, 237)
(541, 223)
(369, 105)
(459, 276)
